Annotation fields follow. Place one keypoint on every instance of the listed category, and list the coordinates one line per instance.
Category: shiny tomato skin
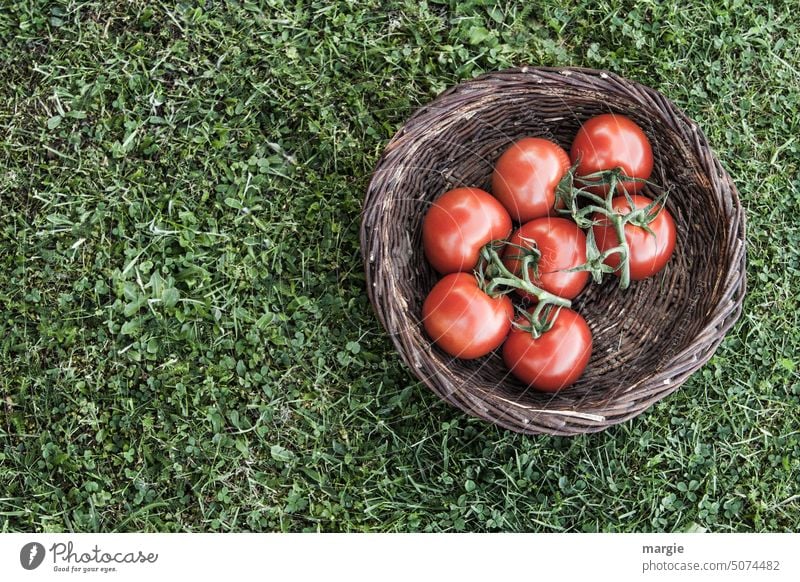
(556, 359)
(526, 176)
(648, 254)
(463, 320)
(610, 141)
(562, 246)
(458, 224)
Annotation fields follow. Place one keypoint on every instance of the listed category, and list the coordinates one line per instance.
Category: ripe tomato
(562, 246)
(458, 224)
(463, 320)
(526, 176)
(612, 141)
(648, 253)
(554, 360)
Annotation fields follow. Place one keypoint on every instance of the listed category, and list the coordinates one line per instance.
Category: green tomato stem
(604, 206)
(500, 275)
(624, 261)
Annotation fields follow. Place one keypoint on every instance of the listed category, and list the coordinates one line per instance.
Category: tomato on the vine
(555, 359)
(648, 251)
(611, 141)
(463, 320)
(561, 245)
(526, 176)
(458, 224)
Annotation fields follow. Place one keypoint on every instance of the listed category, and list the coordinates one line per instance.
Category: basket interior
(637, 332)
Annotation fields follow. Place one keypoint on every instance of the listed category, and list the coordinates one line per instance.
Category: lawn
(185, 338)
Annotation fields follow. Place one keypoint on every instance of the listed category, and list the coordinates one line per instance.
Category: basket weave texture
(647, 339)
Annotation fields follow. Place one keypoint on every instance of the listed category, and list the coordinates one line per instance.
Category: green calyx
(540, 321)
(496, 279)
(583, 215)
(501, 280)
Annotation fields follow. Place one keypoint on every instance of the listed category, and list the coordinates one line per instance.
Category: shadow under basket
(648, 339)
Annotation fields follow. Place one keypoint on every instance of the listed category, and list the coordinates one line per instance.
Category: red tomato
(463, 320)
(526, 176)
(458, 224)
(554, 360)
(562, 246)
(648, 253)
(612, 141)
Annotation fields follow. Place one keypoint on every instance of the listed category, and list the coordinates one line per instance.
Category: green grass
(185, 339)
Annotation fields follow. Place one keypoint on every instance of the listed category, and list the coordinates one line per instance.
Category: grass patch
(185, 339)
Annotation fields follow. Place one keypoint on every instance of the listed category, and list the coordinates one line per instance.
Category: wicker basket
(648, 339)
